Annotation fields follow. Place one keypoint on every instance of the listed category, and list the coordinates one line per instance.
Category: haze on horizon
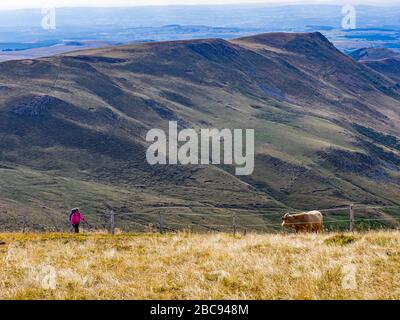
(24, 4)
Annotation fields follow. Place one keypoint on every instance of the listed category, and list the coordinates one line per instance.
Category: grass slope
(200, 266)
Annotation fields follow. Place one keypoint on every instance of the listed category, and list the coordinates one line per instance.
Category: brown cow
(312, 221)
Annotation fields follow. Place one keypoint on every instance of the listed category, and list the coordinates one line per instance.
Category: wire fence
(344, 218)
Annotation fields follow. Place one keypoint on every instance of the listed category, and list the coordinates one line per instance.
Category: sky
(19, 4)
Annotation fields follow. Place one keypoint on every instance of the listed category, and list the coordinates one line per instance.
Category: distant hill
(368, 54)
(22, 36)
(383, 60)
(73, 126)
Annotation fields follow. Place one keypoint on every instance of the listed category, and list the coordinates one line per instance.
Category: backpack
(73, 211)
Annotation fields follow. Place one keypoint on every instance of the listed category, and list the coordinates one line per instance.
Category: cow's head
(288, 220)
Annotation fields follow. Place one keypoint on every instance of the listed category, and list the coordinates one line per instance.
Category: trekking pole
(89, 225)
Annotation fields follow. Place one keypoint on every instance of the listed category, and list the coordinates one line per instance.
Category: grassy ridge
(194, 266)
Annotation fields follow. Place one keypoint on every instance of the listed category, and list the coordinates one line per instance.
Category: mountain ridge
(82, 117)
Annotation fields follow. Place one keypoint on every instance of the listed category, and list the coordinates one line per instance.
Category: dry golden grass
(200, 266)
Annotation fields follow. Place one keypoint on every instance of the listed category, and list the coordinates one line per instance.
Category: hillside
(368, 54)
(382, 60)
(73, 126)
(193, 266)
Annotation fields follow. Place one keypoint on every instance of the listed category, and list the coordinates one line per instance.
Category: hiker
(75, 219)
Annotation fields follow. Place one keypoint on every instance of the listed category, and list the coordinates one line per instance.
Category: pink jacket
(77, 217)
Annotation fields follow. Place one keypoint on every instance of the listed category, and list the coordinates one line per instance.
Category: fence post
(24, 226)
(234, 224)
(351, 217)
(112, 222)
(161, 222)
